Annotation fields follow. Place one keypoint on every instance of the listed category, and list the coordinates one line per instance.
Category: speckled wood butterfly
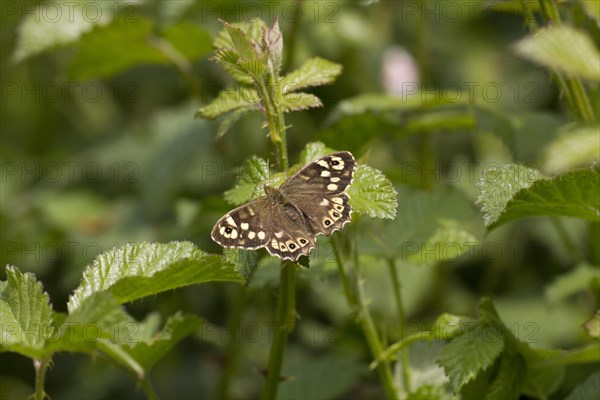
(287, 219)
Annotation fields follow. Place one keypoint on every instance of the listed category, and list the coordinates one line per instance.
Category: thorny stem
(40, 376)
(286, 301)
(356, 298)
(401, 322)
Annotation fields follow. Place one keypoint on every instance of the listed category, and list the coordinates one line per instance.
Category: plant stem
(286, 301)
(571, 87)
(238, 302)
(148, 389)
(285, 321)
(356, 298)
(569, 244)
(40, 376)
(401, 322)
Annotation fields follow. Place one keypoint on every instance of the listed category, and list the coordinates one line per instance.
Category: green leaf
(100, 318)
(156, 344)
(245, 46)
(189, 39)
(447, 243)
(232, 118)
(255, 172)
(123, 45)
(25, 314)
(245, 260)
(37, 34)
(379, 103)
(576, 280)
(563, 48)
(472, 352)
(589, 389)
(229, 59)
(254, 31)
(314, 72)
(447, 326)
(578, 148)
(314, 150)
(273, 44)
(592, 327)
(299, 101)
(134, 271)
(255, 68)
(422, 212)
(248, 35)
(574, 194)
(509, 381)
(544, 374)
(230, 100)
(372, 193)
(498, 185)
(118, 354)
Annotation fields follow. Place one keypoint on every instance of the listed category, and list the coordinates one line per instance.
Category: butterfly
(287, 219)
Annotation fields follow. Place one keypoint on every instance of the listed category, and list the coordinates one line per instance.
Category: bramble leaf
(299, 101)
(574, 194)
(469, 354)
(314, 150)
(498, 185)
(255, 172)
(230, 100)
(563, 48)
(134, 271)
(372, 193)
(575, 280)
(579, 148)
(314, 72)
(509, 381)
(25, 314)
(589, 389)
(36, 35)
(151, 345)
(447, 243)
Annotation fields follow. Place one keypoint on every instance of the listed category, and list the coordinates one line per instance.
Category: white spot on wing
(261, 235)
(230, 221)
(323, 163)
(251, 235)
(244, 226)
(325, 174)
(332, 186)
(324, 202)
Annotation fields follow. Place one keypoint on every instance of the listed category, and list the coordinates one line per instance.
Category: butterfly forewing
(319, 191)
(311, 202)
(246, 226)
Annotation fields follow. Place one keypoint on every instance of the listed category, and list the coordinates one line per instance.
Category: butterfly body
(287, 219)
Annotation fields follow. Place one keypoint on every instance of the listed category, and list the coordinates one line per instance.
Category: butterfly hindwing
(290, 238)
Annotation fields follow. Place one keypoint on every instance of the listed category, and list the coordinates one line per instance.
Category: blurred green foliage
(100, 148)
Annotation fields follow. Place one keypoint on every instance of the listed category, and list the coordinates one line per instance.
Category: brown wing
(244, 227)
(262, 224)
(319, 191)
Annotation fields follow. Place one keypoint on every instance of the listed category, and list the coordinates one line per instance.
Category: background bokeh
(100, 149)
